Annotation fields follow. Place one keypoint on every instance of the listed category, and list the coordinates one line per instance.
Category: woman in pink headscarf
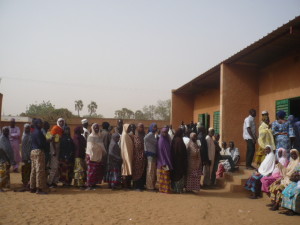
(276, 174)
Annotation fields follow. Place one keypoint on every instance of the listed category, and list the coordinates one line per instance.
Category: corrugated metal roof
(260, 53)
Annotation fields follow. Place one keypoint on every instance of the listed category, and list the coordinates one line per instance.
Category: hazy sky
(126, 53)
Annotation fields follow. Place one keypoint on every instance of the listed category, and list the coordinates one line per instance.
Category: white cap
(264, 112)
(84, 121)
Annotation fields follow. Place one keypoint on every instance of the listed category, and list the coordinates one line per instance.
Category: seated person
(225, 154)
(233, 152)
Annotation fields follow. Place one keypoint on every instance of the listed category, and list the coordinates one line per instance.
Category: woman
(95, 154)
(151, 154)
(194, 164)
(265, 138)
(56, 134)
(282, 131)
(66, 158)
(80, 165)
(164, 162)
(276, 174)
(278, 186)
(127, 155)
(4, 170)
(139, 159)
(114, 162)
(26, 150)
(291, 194)
(179, 162)
(266, 168)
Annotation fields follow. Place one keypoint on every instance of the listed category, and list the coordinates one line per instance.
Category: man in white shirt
(233, 152)
(208, 168)
(85, 125)
(249, 135)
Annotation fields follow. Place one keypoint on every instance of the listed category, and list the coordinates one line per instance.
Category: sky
(126, 53)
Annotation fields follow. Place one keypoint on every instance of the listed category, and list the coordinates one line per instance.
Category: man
(249, 136)
(211, 157)
(38, 175)
(85, 125)
(225, 154)
(216, 158)
(234, 153)
(14, 138)
(151, 150)
(6, 146)
(203, 145)
(119, 128)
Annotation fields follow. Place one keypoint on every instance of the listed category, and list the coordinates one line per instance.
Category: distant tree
(92, 108)
(47, 112)
(139, 115)
(78, 106)
(124, 113)
(149, 112)
(162, 110)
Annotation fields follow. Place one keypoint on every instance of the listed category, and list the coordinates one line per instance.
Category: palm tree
(78, 105)
(92, 107)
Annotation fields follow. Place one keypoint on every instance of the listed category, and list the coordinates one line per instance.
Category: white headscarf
(95, 147)
(60, 119)
(267, 166)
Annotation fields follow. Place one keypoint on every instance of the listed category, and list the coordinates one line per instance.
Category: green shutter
(283, 105)
(207, 122)
(217, 122)
(201, 119)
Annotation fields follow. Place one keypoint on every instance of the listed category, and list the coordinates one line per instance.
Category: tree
(78, 106)
(162, 110)
(47, 111)
(92, 108)
(124, 113)
(149, 112)
(139, 115)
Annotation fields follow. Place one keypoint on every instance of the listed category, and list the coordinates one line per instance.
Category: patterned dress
(139, 159)
(291, 197)
(194, 167)
(282, 133)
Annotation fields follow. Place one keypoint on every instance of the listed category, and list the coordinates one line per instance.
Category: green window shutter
(207, 121)
(283, 105)
(217, 122)
(201, 119)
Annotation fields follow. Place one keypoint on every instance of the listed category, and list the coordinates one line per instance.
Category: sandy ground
(103, 206)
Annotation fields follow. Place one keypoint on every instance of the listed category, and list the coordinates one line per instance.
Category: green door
(203, 119)
(283, 105)
(217, 122)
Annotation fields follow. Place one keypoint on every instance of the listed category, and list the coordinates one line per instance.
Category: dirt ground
(103, 206)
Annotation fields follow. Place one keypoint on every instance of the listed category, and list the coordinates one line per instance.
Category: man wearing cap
(14, 138)
(249, 136)
(85, 125)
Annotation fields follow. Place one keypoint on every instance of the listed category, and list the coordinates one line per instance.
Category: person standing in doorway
(14, 138)
(249, 135)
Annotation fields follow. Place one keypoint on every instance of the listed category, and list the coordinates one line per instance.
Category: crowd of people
(163, 160)
(126, 157)
(278, 174)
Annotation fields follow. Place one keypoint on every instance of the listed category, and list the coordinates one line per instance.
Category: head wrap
(84, 121)
(60, 119)
(77, 130)
(211, 129)
(26, 125)
(264, 112)
(192, 134)
(268, 164)
(281, 114)
(152, 126)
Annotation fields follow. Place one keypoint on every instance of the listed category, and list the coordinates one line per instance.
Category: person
(139, 159)
(291, 194)
(37, 156)
(208, 169)
(249, 136)
(276, 174)
(150, 143)
(106, 141)
(95, 154)
(226, 154)
(171, 132)
(279, 185)
(203, 145)
(6, 146)
(186, 138)
(79, 165)
(56, 134)
(127, 155)
(179, 162)
(164, 162)
(119, 128)
(47, 134)
(114, 162)
(194, 166)
(4, 170)
(234, 153)
(283, 132)
(66, 158)
(297, 135)
(85, 125)
(14, 138)
(265, 137)
(253, 184)
(26, 151)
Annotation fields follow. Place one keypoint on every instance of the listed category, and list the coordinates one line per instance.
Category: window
(291, 106)
(217, 122)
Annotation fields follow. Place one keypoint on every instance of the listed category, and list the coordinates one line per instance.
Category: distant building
(263, 76)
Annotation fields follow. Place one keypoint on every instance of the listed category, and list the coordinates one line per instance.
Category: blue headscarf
(151, 127)
(281, 114)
